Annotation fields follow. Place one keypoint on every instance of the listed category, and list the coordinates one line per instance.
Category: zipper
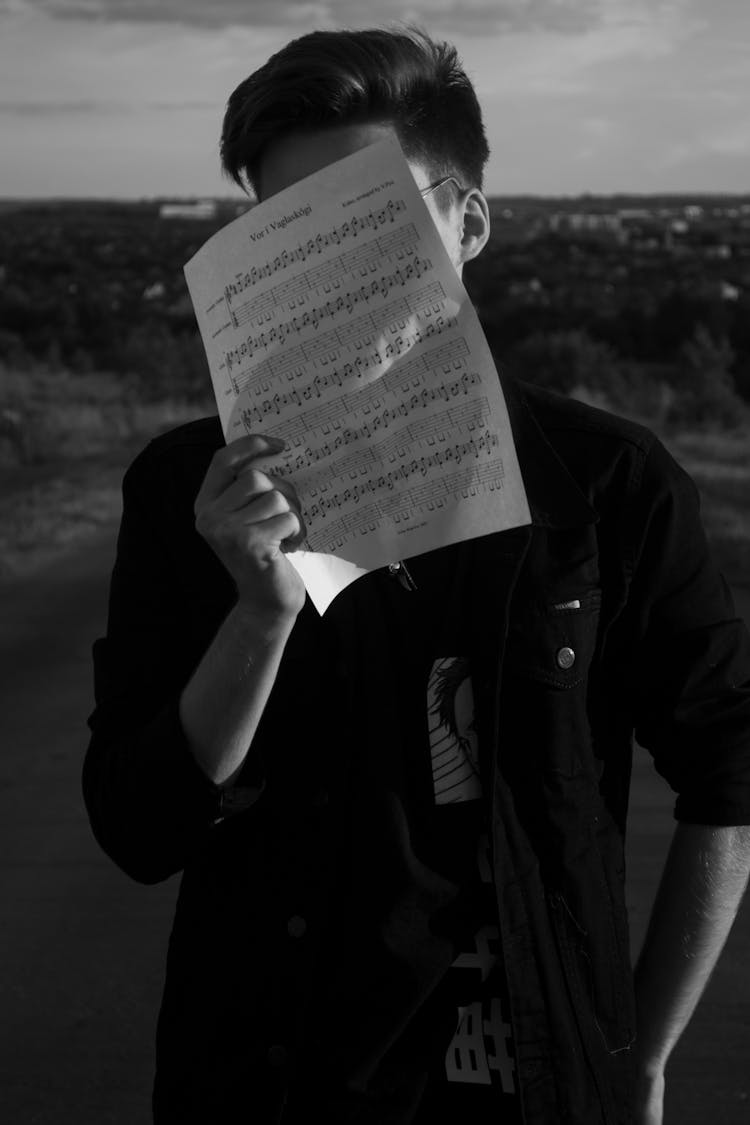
(398, 570)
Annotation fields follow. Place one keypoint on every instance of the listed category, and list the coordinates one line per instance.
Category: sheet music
(332, 317)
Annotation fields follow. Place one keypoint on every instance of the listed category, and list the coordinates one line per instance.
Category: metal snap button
(296, 926)
(565, 658)
(276, 1054)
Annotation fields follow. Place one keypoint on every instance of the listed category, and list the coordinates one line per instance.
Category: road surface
(82, 948)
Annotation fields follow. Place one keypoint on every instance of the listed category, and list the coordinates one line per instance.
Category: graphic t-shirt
(477, 1070)
(408, 1013)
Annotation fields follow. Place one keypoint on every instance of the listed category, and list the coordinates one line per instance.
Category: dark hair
(327, 78)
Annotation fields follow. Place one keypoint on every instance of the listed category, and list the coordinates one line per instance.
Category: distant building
(583, 221)
(155, 291)
(527, 288)
(719, 250)
(693, 211)
(728, 291)
(633, 214)
(199, 209)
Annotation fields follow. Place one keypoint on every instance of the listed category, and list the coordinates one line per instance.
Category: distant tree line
(92, 288)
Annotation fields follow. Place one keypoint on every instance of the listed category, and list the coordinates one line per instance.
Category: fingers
(234, 484)
(229, 461)
(263, 537)
(252, 482)
(269, 503)
(279, 500)
(276, 501)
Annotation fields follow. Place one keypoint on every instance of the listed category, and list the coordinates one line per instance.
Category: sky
(124, 98)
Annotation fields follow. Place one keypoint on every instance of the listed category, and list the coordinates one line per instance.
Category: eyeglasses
(433, 187)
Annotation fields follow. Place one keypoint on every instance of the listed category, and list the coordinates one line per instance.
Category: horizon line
(201, 197)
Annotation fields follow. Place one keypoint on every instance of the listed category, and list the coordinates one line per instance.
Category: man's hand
(249, 518)
(649, 1098)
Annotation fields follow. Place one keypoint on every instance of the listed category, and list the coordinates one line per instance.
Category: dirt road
(82, 948)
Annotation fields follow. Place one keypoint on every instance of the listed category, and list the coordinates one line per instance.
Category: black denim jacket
(604, 618)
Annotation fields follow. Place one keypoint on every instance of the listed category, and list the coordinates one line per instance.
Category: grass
(62, 462)
(719, 464)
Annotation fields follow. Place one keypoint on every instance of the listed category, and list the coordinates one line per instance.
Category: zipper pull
(398, 570)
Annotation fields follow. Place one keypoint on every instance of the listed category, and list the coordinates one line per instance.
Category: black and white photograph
(375, 562)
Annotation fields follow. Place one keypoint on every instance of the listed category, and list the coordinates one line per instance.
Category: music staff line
(352, 228)
(430, 495)
(470, 416)
(401, 241)
(335, 412)
(444, 357)
(291, 363)
(353, 493)
(328, 347)
(378, 287)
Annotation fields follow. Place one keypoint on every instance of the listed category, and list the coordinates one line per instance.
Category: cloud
(609, 62)
(36, 109)
(97, 106)
(468, 17)
(730, 140)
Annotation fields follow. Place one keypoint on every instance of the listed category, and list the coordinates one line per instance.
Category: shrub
(705, 389)
(563, 360)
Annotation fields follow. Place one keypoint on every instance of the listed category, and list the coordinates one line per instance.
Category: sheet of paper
(332, 317)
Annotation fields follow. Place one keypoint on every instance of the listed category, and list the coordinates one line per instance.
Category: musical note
(397, 380)
(318, 244)
(360, 260)
(430, 296)
(427, 430)
(333, 318)
(407, 506)
(354, 464)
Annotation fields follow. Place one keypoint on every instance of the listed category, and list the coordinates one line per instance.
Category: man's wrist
(649, 1068)
(263, 622)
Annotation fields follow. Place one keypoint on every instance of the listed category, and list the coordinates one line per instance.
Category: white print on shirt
(453, 740)
(468, 1058)
(455, 776)
(484, 958)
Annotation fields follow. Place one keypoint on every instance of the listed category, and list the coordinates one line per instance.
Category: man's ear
(475, 225)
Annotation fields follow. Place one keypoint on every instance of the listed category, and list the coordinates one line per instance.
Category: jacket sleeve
(149, 803)
(689, 664)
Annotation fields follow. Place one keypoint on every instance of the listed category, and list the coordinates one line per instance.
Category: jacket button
(276, 1054)
(566, 657)
(296, 926)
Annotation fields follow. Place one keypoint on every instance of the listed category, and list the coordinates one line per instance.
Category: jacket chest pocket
(548, 657)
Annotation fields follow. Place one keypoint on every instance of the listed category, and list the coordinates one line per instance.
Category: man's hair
(328, 78)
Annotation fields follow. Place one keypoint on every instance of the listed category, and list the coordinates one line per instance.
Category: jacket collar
(555, 500)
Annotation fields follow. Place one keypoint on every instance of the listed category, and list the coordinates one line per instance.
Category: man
(401, 825)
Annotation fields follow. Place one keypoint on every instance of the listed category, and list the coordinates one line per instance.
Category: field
(638, 305)
(67, 440)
